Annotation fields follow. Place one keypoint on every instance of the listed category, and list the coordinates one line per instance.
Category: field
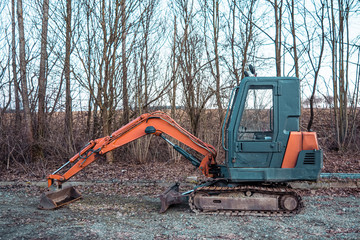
(120, 200)
(130, 211)
(155, 150)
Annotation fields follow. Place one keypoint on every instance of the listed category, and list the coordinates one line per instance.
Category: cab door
(256, 126)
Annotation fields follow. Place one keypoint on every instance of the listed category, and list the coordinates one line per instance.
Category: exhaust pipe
(52, 200)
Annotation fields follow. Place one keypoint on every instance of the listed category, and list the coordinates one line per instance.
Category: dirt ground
(107, 212)
(113, 207)
(130, 211)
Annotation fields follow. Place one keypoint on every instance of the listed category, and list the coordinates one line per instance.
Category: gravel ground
(102, 216)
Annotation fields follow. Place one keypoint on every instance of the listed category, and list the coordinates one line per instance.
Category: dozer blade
(53, 200)
(171, 196)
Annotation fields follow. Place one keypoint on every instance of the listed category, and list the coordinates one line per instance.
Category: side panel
(308, 168)
(298, 141)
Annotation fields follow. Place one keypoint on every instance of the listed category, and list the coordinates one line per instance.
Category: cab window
(257, 117)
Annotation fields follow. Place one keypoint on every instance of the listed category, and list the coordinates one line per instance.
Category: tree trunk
(316, 68)
(126, 109)
(334, 72)
(68, 101)
(217, 62)
(88, 67)
(342, 81)
(173, 73)
(249, 34)
(24, 91)
(278, 19)
(15, 79)
(294, 38)
(42, 73)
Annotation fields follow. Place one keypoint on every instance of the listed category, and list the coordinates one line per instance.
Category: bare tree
(232, 28)
(340, 53)
(87, 52)
(124, 31)
(277, 5)
(42, 72)
(100, 76)
(343, 82)
(92, 121)
(213, 13)
(107, 61)
(291, 7)
(150, 34)
(354, 110)
(3, 84)
(24, 89)
(315, 61)
(241, 23)
(174, 70)
(14, 68)
(175, 58)
(247, 36)
(195, 94)
(68, 101)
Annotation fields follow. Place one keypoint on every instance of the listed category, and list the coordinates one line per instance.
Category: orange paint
(297, 142)
(134, 130)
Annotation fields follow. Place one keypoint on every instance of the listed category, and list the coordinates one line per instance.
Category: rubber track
(272, 189)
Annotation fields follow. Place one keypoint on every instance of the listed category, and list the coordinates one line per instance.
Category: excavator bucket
(171, 196)
(53, 200)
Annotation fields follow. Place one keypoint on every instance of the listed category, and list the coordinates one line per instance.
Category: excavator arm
(156, 123)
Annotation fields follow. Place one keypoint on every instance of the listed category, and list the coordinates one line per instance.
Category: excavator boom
(156, 123)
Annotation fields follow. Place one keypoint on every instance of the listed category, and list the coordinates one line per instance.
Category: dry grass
(159, 161)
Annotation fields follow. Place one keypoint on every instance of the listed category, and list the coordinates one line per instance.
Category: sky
(265, 65)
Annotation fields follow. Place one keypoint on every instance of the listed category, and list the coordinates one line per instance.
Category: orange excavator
(264, 151)
(156, 123)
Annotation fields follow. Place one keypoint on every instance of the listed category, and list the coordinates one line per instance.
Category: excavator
(264, 152)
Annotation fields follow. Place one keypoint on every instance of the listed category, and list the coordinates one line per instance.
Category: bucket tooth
(171, 196)
(56, 199)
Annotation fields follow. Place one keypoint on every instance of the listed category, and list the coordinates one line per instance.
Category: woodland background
(71, 71)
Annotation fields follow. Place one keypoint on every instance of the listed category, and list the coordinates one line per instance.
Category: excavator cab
(262, 134)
